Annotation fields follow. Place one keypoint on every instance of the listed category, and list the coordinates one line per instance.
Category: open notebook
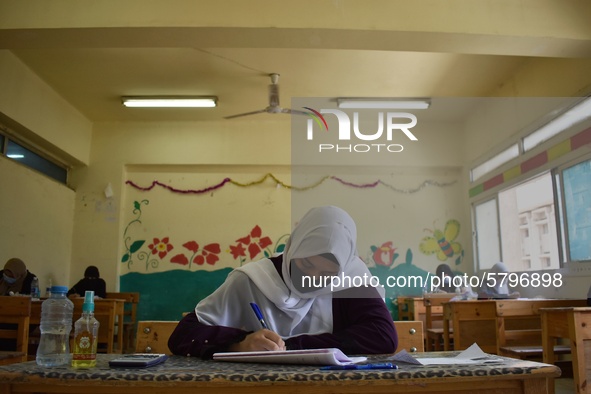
(330, 356)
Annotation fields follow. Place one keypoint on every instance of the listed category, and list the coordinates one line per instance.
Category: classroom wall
(183, 187)
(41, 116)
(37, 212)
(37, 222)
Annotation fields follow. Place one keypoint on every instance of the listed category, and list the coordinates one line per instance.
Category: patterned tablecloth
(189, 369)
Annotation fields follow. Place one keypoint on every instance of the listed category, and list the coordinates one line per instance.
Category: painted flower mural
(255, 242)
(385, 254)
(237, 251)
(247, 247)
(160, 247)
(209, 254)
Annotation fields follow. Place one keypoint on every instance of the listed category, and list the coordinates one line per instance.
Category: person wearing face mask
(15, 278)
(302, 306)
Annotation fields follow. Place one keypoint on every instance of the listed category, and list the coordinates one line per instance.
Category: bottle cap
(88, 305)
(59, 289)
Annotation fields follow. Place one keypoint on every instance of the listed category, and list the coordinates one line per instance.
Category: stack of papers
(329, 356)
(472, 355)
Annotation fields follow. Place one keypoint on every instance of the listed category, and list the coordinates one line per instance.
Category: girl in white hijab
(497, 288)
(300, 312)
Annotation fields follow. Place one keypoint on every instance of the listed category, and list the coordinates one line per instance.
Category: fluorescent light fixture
(15, 156)
(382, 103)
(494, 162)
(576, 114)
(170, 102)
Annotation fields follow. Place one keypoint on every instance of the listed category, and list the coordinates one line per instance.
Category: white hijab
(287, 311)
(500, 286)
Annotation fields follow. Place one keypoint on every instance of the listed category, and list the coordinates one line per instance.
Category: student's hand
(259, 340)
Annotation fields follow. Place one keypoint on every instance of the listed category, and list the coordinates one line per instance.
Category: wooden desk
(183, 375)
(434, 317)
(575, 325)
(411, 308)
(497, 323)
(117, 304)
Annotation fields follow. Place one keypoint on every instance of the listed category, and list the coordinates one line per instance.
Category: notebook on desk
(329, 356)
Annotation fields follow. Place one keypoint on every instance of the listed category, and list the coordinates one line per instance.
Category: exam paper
(329, 356)
(472, 355)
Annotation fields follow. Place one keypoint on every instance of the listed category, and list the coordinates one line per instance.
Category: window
(528, 225)
(573, 116)
(495, 162)
(576, 197)
(487, 234)
(25, 155)
(542, 222)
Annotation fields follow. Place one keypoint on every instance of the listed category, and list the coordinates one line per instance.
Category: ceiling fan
(273, 107)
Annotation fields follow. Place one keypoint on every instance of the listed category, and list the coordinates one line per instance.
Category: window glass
(487, 234)
(30, 159)
(577, 203)
(528, 226)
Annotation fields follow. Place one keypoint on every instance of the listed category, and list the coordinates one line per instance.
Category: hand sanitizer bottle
(85, 335)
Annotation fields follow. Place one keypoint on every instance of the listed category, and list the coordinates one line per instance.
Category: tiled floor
(564, 386)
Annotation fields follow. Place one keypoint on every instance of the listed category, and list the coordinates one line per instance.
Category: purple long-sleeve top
(360, 326)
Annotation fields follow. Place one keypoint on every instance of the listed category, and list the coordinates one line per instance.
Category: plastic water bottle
(35, 292)
(85, 335)
(56, 324)
(48, 288)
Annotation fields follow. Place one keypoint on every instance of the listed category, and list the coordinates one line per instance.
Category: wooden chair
(130, 317)
(474, 322)
(572, 324)
(520, 328)
(433, 320)
(14, 315)
(410, 336)
(152, 336)
(105, 313)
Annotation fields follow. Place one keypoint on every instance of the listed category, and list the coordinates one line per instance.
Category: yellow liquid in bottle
(85, 343)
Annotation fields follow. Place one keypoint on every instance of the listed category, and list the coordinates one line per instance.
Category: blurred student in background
(15, 278)
(92, 281)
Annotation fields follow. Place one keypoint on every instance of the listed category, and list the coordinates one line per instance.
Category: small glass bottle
(85, 335)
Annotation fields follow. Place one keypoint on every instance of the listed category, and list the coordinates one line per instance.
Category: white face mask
(8, 279)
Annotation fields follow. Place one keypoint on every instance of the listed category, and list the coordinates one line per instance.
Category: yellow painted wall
(37, 222)
(43, 117)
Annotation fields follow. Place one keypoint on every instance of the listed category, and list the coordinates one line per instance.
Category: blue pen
(259, 314)
(361, 366)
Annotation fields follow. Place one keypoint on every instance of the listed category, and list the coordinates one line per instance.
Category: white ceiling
(93, 80)
(92, 64)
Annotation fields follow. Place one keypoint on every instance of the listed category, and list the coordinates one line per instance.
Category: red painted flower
(208, 255)
(160, 247)
(180, 259)
(255, 242)
(383, 255)
(237, 251)
(192, 246)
